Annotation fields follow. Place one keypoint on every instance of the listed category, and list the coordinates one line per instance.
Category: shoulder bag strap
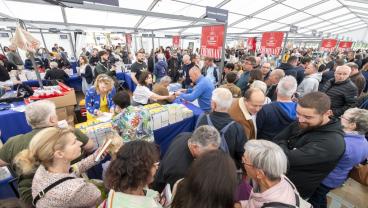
(43, 192)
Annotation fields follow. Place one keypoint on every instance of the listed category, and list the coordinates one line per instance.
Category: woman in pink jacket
(266, 164)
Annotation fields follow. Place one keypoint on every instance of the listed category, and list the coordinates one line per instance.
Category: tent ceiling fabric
(327, 16)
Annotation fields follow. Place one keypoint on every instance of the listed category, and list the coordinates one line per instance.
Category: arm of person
(155, 96)
(132, 75)
(47, 75)
(88, 72)
(87, 144)
(194, 95)
(241, 139)
(3, 163)
(89, 104)
(260, 119)
(85, 195)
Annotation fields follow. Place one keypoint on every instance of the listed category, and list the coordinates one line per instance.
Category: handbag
(360, 173)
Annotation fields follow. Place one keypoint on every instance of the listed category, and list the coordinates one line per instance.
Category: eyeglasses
(245, 163)
(156, 164)
(342, 117)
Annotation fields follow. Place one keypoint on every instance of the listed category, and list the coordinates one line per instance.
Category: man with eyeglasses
(314, 143)
(266, 70)
(249, 64)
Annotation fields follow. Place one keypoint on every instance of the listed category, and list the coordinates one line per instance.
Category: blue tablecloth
(13, 123)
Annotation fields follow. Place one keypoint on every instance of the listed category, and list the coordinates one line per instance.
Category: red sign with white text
(128, 39)
(346, 45)
(271, 43)
(251, 43)
(328, 44)
(212, 40)
(176, 41)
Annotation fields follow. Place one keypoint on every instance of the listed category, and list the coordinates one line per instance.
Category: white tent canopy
(347, 18)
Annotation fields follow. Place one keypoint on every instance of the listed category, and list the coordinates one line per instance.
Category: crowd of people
(271, 135)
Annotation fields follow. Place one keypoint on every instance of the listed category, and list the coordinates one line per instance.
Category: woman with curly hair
(130, 173)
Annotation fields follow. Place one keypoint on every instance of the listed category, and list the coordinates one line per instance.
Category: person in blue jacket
(202, 90)
(99, 97)
(355, 124)
(160, 69)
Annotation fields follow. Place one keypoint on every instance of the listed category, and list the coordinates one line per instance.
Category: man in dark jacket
(181, 153)
(56, 73)
(357, 77)
(313, 144)
(173, 67)
(290, 67)
(93, 60)
(341, 90)
(104, 66)
(219, 118)
(276, 116)
(187, 65)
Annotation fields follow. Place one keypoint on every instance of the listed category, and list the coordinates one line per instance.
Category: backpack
(223, 144)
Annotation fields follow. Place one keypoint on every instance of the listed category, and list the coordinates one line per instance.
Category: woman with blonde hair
(99, 97)
(49, 155)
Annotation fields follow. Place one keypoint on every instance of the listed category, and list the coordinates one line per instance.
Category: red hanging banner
(251, 43)
(128, 39)
(212, 40)
(176, 41)
(271, 43)
(328, 45)
(345, 45)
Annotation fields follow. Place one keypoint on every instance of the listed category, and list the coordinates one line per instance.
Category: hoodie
(312, 153)
(282, 192)
(160, 69)
(309, 84)
(273, 118)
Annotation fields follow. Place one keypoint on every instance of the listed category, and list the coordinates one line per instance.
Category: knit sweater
(71, 193)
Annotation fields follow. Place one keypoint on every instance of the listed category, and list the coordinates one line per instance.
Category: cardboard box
(67, 100)
(66, 113)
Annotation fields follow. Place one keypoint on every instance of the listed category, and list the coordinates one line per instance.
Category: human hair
(85, 59)
(321, 68)
(267, 156)
(223, 98)
(255, 74)
(287, 86)
(352, 65)
(316, 100)
(101, 53)
(142, 78)
(205, 136)
(231, 77)
(121, 99)
(360, 118)
(38, 113)
(103, 78)
(260, 85)
(279, 74)
(230, 66)
(252, 60)
(292, 59)
(41, 149)
(306, 60)
(160, 56)
(248, 94)
(211, 182)
(340, 62)
(132, 167)
(165, 79)
(208, 59)
(54, 65)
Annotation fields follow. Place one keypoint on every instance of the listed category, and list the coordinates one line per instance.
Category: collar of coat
(244, 109)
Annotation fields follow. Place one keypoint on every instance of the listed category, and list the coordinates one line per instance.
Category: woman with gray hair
(266, 163)
(355, 124)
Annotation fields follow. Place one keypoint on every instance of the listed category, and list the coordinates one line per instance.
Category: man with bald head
(341, 90)
(187, 65)
(243, 110)
(202, 90)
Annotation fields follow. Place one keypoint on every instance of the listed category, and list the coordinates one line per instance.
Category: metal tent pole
(72, 45)
(284, 47)
(222, 64)
(43, 39)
